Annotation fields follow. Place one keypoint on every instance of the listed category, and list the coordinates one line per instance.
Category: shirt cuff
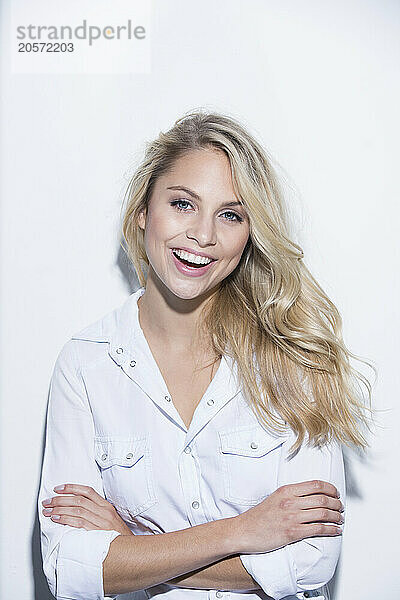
(272, 571)
(80, 564)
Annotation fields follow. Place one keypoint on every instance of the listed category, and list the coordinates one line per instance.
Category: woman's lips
(191, 271)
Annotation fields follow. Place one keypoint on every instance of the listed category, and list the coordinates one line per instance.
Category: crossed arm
(76, 555)
(82, 507)
(130, 563)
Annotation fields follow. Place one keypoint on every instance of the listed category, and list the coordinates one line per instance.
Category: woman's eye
(178, 205)
(236, 217)
(181, 201)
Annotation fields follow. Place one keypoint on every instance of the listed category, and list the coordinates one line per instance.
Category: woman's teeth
(192, 258)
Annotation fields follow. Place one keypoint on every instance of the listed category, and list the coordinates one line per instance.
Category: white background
(318, 83)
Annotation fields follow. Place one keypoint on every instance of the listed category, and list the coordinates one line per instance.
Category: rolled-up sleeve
(72, 557)
(310, 563)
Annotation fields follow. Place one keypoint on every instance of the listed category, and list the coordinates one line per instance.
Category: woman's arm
(81, 506)
(72, 556)
(137, 562)
(309, 563)
(285, 516)
(226, 574)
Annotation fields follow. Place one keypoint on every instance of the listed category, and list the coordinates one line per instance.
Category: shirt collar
(127, 344)
(128, 341)
(122, 330)
(127, 336)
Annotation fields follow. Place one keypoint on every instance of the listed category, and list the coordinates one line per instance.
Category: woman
(211, 406)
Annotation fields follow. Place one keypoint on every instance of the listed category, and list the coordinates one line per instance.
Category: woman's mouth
(190, 264)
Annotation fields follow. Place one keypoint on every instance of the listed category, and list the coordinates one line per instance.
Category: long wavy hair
(270, 314)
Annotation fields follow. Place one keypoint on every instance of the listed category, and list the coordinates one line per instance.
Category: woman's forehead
(200, 173)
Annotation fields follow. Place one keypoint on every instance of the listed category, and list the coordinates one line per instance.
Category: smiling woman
(197, 429)
(185, 226)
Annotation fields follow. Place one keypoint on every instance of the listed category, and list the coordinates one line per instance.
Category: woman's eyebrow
(197, 197)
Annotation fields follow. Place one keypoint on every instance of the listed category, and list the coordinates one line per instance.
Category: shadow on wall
(41, 589)
(352, 491)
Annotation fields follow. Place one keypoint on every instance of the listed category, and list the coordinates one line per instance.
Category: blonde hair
(270, 314)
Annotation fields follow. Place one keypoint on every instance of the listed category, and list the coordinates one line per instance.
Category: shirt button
(195, 504)
(254, 445)
(188, 449)
(120, 350)
(132, 363)
(129, 455)
(103, 456)
(210, 402)
(168, 398)
(219, 594)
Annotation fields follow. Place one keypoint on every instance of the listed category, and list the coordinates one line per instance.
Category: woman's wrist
(232, 535)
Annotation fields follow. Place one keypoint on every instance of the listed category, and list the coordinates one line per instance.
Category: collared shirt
(112, 425)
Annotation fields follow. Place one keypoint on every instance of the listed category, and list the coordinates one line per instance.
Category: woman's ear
(142, 219)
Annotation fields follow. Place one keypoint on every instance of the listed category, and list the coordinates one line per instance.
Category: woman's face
(193, 214)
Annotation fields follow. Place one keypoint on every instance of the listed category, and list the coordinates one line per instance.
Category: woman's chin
(188, 290)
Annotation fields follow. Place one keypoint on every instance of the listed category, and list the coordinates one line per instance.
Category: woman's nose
(203, 231)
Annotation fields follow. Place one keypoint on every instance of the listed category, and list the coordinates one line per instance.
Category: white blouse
(112, 425)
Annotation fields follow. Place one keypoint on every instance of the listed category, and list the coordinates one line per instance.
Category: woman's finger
(318, 501)
(74, 521)
(98, 520)
(312, 515)
(318, 530)
(85, 513)
(315, 486)
(81, 490)
(73, 501)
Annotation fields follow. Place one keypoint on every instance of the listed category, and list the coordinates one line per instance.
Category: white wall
(317, 81)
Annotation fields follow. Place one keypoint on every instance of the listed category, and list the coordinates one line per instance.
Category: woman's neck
(171, 320)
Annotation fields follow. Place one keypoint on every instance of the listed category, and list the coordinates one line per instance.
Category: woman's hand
(85, 508)
(291, 513)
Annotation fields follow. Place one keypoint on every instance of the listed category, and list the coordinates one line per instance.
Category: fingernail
(59, 488)
(47, 511)
(56, 516)
(47, 501)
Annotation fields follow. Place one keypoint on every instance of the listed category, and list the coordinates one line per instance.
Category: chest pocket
(250, 462)
(127, 474)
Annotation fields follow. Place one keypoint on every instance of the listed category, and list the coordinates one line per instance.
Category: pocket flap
(250, 441)
(111, 451)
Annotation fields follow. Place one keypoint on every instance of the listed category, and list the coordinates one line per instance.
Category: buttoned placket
(139, 365)
(189, 476)
(221, 390)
